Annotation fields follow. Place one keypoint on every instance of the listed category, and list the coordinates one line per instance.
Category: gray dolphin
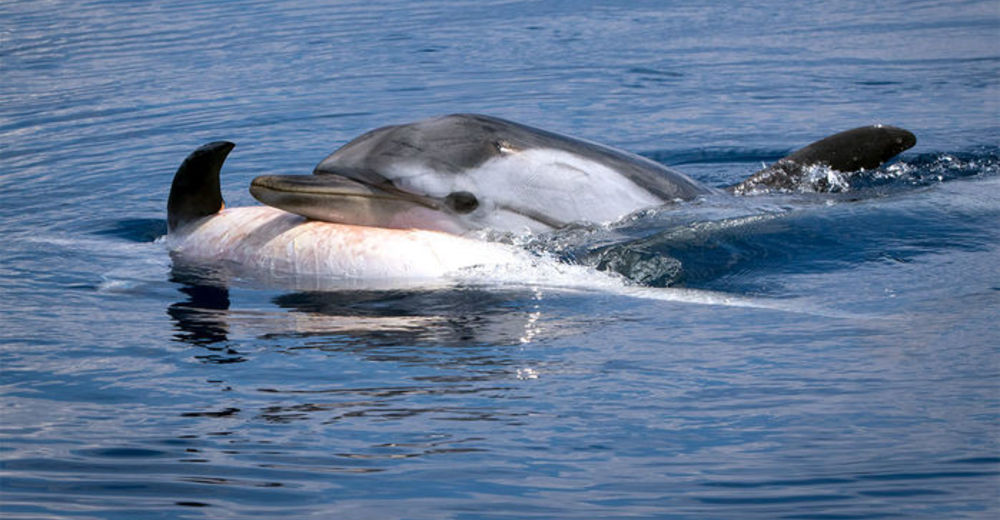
(464, 172)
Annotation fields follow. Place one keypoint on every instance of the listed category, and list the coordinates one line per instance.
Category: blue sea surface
(796, 355)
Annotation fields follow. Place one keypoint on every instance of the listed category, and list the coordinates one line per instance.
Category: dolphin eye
(461, 202)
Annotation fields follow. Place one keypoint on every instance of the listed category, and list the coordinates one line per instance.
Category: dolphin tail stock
(195, 192)
(865, 147)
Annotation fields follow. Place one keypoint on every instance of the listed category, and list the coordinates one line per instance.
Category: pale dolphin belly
(272, 241)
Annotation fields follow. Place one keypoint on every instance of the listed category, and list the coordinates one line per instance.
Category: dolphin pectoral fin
(866, 147)
(195, 192)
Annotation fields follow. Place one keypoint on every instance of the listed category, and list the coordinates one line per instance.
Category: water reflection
(202, 318)
(437, 364)
(464, 325)
(460, 317)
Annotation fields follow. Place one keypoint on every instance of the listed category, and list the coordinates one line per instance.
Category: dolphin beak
(334, 198)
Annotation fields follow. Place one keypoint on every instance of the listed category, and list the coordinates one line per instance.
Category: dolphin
(395, 203)
(467, 172)
(268, 240)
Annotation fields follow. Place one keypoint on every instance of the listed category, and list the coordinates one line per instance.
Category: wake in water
(715, 250)
(830, 220)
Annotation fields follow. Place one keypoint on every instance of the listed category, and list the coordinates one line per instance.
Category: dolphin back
(458, 143)
(860, 148)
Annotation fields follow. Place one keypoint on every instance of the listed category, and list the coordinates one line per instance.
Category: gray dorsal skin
(461, 142)
(195, 192)
(865, 147)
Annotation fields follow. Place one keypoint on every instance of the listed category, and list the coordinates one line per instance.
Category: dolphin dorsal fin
(195, 192)
(865, 147)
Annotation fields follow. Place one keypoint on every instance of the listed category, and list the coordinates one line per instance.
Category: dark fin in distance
(195, 192)
(866, 147)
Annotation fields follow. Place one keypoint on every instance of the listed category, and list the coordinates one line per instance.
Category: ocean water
(785, 355)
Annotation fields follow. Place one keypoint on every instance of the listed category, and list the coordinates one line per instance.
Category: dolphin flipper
(195, 192)
(866, 147)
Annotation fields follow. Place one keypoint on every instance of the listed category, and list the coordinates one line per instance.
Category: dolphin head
(466, 172)
(500, 194)
(364, 201)
(457, 174)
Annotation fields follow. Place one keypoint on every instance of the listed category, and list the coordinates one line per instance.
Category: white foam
(543, 272)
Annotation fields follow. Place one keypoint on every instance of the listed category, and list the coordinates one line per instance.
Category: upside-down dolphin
(272, 241)
(394, 202)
